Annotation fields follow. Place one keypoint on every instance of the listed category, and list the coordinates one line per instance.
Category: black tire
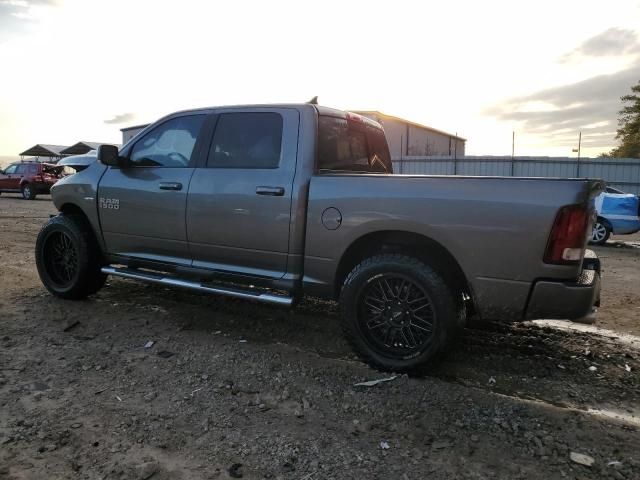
(28, 191)
(600, 233)
(366, 319)
(68, 258)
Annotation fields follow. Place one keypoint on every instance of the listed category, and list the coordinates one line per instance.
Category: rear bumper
(567, 300)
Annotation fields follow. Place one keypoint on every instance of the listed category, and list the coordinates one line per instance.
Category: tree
(629, 126)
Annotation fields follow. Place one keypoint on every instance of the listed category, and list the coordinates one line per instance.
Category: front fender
(80, 192)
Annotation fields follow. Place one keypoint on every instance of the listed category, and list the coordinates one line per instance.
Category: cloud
(613, 42)
(17, 15)
(121, 118)
(22, 8)
(590, 106)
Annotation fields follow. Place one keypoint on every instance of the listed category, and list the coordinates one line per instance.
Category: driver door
(142, 206)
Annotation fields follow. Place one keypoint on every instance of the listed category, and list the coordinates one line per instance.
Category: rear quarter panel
(496, 228)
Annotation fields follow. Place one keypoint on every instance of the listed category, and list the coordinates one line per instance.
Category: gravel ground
(232, 389)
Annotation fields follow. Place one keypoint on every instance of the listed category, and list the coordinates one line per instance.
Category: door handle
(272, 191)
(170, 186)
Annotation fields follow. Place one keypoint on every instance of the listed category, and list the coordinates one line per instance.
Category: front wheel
(600, 233)
(68, 258)
(398, 313)
(28, 192)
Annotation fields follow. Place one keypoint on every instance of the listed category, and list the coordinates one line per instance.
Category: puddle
(629, 340)
(620, 416)
(605, 414)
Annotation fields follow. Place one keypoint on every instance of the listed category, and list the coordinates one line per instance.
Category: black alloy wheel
(68, 257)
(61, 258)
(396, 315)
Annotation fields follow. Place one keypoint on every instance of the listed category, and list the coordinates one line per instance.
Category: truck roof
(322, 110)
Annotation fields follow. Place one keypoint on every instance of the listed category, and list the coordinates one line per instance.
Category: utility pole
(455, 155)
(579, 144)
(455, 147)
(513, 151)
(578, 150)
(401, 159)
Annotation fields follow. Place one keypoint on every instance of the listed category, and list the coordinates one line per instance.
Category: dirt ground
(232, 389)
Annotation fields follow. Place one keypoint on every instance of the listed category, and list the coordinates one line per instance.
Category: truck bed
(496, 228)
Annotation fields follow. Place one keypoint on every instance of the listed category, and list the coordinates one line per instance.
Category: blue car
(618, 213)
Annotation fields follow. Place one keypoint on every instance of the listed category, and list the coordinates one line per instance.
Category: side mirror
(109, 155)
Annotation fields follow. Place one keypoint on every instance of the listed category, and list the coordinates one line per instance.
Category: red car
(29, 178)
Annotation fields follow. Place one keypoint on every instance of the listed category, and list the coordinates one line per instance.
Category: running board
(175, 282)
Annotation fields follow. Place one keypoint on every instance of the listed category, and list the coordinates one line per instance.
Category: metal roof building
(407, 138)
(129, 132)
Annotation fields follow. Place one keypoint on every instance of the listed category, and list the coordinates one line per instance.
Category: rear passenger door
(16, 178)
(239, 205)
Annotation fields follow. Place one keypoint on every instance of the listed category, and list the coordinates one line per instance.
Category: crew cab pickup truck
(274, 202)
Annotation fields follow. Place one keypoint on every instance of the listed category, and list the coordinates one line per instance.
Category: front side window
(10, 169)
(351, 147)
(246, 140)
(170, 144)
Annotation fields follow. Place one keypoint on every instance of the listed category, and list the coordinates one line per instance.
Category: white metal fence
(621, 173)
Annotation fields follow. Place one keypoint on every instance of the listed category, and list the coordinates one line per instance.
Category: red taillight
(568, 236)
(39, 178)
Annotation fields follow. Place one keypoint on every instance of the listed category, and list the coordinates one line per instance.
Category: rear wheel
(28, 192)
(398, 313)
(600, 233)
(68, 258)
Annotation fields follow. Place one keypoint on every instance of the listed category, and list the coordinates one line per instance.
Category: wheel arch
(409, 243)
(605, 222)
(70, 208)
(73, 209)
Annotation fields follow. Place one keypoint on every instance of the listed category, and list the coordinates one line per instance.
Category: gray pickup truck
(273, 202)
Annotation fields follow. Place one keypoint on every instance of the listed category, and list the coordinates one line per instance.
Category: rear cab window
(349, 145)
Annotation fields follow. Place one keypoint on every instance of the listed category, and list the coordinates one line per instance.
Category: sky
(74, 70)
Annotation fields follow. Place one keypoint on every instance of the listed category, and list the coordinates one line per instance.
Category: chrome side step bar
(219, 290)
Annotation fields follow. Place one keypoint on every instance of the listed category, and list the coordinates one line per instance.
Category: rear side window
(246, 140)
(33, 169)
(351, 147)
(21, 169)
(170, 144)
